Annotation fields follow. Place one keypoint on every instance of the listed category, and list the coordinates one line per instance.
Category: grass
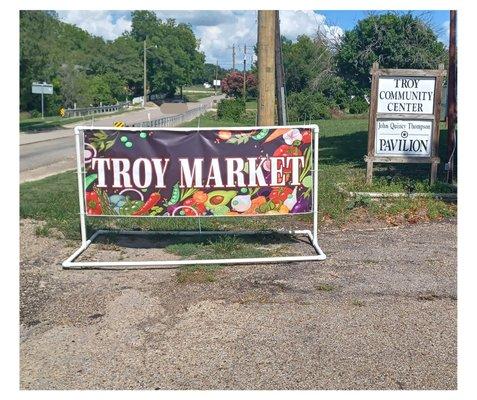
(221, 247)
(325, 287)
(33, 125)
(342, 147)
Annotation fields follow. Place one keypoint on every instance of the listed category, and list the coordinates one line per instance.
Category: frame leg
(433, 173)
(369, 172)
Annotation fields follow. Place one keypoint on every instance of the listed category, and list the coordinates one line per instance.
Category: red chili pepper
(194, 205)
(286, 151)
(280, 194)
(151, 202)
(306, 137)
(93, 204)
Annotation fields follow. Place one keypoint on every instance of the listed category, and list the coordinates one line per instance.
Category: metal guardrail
(175, 119)
(79, 112)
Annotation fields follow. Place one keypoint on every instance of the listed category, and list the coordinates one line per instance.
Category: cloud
(217, 30)
(107, 24)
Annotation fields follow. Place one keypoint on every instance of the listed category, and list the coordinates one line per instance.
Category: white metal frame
(70, 263)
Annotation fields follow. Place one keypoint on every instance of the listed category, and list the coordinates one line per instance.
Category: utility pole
(244, 73)
(280, 84)
(145, 87)
(216, 72)
(233, 57)
(266, 67)
(452, 98)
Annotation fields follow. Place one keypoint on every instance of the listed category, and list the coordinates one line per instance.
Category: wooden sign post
(404, 117)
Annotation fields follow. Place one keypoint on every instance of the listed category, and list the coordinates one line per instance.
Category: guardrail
(174, 119)
(79, 112)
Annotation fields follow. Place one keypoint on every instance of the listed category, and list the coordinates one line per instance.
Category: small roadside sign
(41, 88)
(119, 124)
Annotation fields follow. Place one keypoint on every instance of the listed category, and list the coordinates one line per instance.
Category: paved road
(47, 153)
(379, 313)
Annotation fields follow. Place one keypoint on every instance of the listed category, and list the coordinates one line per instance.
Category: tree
(307, 62)
(173, 59)
(232, 84)
(393, 40)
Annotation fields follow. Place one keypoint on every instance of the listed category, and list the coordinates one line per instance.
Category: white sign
(39, 88)
(406, 95)
(216, 82)
(403, 138)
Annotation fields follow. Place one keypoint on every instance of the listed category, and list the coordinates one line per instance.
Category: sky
(219, 30)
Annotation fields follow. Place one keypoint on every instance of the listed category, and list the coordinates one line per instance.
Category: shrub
(35, 114)
(231, 109)
(232, 84)
(358, 105)
(308, 105)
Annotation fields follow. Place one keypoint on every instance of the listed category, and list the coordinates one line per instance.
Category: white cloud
(217, 30)
(98, 23)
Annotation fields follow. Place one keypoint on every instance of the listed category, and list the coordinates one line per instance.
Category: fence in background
(79, 112)
(175, 119)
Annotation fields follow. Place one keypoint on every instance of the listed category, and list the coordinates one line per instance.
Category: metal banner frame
(311, 235)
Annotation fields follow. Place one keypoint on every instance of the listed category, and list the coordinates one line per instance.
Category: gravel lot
(379, 313)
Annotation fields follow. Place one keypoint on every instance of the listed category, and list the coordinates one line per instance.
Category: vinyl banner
(198, 172)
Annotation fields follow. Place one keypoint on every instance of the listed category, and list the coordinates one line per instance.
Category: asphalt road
(379, 313)
(47, 153)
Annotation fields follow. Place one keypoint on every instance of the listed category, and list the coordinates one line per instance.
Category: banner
(198, 172)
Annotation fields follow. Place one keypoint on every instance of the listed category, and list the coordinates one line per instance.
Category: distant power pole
(244, 72)
(452, 98)
(233, 57)
(266, 67)
(216, 74)
(280, 84)
(145, 85)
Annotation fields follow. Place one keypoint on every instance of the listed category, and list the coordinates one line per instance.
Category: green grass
(33, 125)
(342, 147)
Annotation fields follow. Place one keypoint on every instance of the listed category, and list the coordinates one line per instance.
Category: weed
(42, 231)
(325, 287)
(358, 303)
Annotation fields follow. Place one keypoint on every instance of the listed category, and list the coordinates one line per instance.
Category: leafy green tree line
(88, 70)
(326, 75)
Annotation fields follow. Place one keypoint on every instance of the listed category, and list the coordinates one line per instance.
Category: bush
(231, 109)
(308, 105)
(35, 114)
(358, 105)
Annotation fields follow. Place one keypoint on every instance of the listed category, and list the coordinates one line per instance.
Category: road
(379, 313)
(47, 153)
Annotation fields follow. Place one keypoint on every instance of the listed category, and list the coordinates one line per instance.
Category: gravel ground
(379, 313)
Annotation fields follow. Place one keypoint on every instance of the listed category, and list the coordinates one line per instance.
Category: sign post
(196, 173)
(42, 88)
(404, 117)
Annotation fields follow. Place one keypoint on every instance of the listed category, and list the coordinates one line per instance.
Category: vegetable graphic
(261, 134)
(293, 136)
(117, 201)
(151, 202)
(241, 203)
(291, 200)
(306, 137)
(224, 135)
(218, 198)
(280, 194)
(93, 204)
(89, 179)
(286, 150)
(130, 207)
(302, 205)
(276, 134)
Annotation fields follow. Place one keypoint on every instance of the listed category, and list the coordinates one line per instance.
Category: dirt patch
(379, 313)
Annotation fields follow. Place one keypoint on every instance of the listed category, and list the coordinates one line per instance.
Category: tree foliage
(232, 84)
(88, 70)
(393, 40)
